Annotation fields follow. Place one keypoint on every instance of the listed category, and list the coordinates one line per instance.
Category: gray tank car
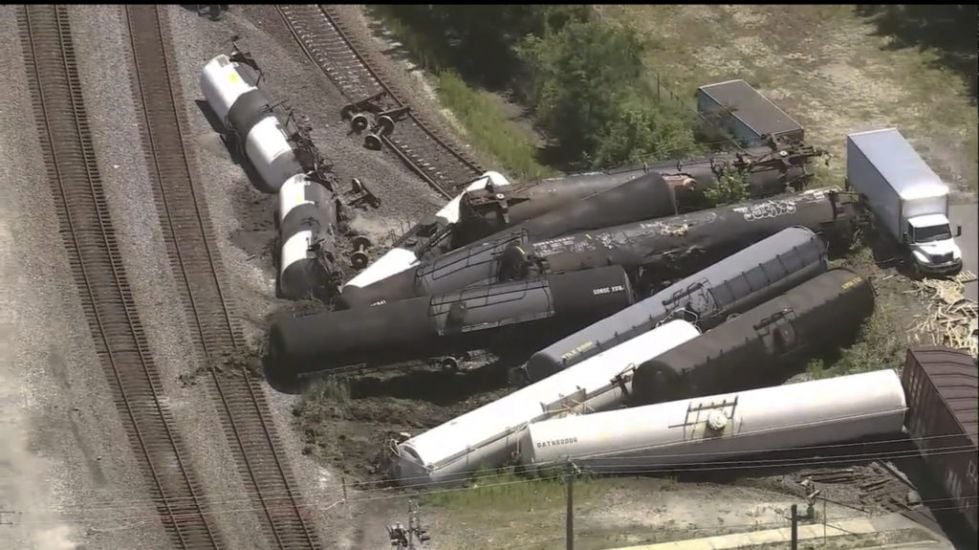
(733, 285)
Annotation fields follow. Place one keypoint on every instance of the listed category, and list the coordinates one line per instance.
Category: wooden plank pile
(950, 319)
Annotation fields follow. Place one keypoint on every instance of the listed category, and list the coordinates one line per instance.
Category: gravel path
(66, 469)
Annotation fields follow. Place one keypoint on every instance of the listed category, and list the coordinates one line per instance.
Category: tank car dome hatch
(716, 420)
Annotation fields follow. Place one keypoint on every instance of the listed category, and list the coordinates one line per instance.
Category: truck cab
(932, 248)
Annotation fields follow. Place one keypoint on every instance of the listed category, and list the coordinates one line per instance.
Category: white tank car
(269, 151)
(488, 436)
(721, 426)
(306, 215)
(222, 85)
(399, 259)
(230, 90)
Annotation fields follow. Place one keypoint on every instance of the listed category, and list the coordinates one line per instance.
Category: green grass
(496, 492)
(489, 128)
(830, 68)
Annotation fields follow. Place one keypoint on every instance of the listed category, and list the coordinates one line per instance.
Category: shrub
(731, 187)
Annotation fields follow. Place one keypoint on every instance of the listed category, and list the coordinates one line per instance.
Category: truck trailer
(909, 201)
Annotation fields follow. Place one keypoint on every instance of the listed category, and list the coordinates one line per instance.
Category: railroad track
(96, 265)
(327, 41)
(242, 408)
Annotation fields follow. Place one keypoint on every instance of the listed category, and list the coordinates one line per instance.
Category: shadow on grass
(949, 30)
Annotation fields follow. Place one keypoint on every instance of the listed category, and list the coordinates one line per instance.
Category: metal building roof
(956, 378)
(753, 109)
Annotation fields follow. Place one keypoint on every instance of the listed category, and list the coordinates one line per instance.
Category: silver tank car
(229, 88)
(707, 429)
(407, 249)
(643, 197)
(307, 216)
(488, 436)
(475, 318)
(763, 344)
(733, 285)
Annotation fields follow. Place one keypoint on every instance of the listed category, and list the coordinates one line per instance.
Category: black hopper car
(754, 349)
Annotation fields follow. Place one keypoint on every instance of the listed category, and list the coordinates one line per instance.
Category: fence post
(824, 521)
(795, 528)
(346, 506)
(569, 516)
(657, 88)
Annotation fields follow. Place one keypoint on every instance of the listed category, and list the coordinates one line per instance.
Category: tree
(580, 76)
(643, 130)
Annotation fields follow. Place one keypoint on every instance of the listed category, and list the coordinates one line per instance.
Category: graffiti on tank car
(767, 209)
(556, 442)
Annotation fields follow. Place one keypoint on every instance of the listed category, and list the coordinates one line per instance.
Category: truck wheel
(916, 273)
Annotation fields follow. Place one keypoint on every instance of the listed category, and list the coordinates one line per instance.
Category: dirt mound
(349, 423)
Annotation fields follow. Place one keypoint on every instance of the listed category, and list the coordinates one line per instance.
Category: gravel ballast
(67, 473)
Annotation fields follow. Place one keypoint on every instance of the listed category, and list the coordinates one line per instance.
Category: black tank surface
(670, 248)
(648, 196)
(483, 212)
(472, 318)
(756, 348)
(768, 171)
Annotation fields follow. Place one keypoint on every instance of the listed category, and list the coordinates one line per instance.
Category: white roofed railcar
(488, 435)
(712, 428)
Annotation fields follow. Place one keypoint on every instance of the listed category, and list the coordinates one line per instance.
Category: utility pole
(569, 516)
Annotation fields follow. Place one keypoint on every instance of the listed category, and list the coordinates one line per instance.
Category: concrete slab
(966, 216)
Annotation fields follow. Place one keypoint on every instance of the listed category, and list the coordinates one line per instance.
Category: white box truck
(909, 201)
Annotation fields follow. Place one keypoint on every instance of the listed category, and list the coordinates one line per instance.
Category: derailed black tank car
(942, 389)
(753, 349)
(513, 312)
(669, 248)
(768, 171)
(483, 212)
(648, 196)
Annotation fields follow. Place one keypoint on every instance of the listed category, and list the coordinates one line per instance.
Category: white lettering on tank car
(556, 442)
(607, 289)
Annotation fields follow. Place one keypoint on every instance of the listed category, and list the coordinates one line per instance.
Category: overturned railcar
(485, 211)
(767, 171)
(307, 216)
(733, 285)
(231, 90)
(673, 247)
(425, 238)
(488, 436)
(469, 319)
(706, 429)
(755, 348)
(648, 196)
